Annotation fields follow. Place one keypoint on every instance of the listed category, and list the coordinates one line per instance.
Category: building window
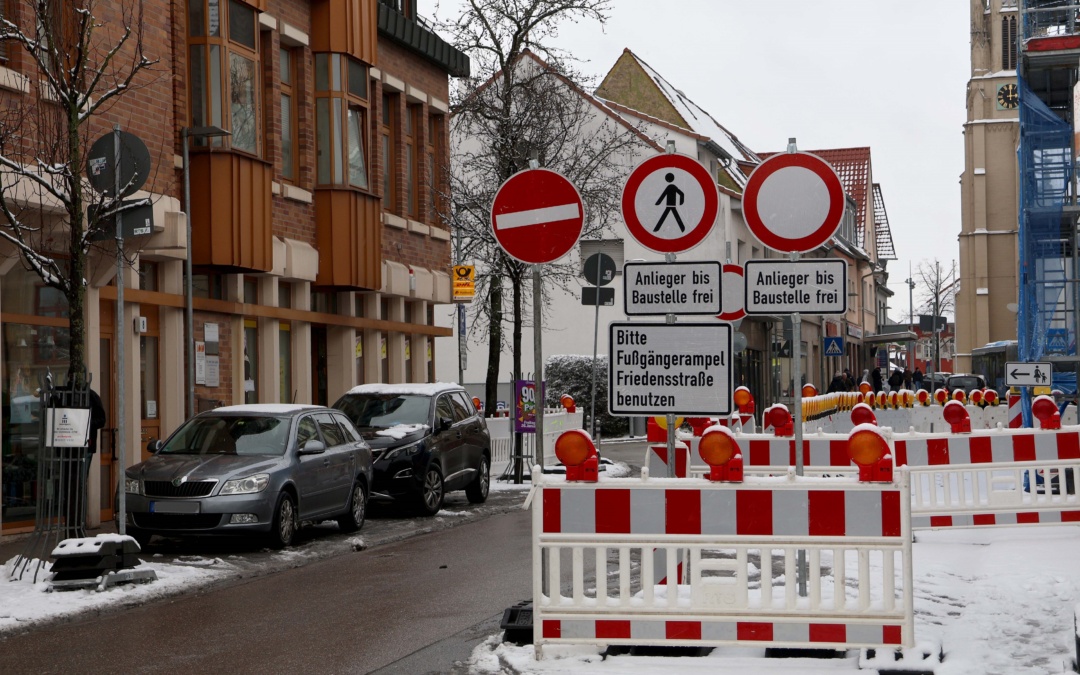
(1008, 43)
(207, 286)
(285, 362)
(341, 121)
(284, 294)
(3, 43)
(434, 152)
(288, 114)
(251, 361)
(388, 136)
(412, 168)
(212, 47)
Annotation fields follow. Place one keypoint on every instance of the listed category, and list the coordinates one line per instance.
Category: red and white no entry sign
(669, 203)
(733, 284)
(793, 202)
(537, 216)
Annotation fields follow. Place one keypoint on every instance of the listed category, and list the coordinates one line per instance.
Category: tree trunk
(76, 290)
(495, 312)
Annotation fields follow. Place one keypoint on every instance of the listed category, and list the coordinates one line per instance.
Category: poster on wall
(67, 427)
(213, 371)
(200, 362)
(524, 407)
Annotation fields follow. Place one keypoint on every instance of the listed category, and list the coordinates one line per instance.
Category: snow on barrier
(741, 540)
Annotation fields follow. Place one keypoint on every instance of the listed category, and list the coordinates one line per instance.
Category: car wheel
(141, 538)
(283, 529)
(353, 520)
(431, 494)
(477, 491)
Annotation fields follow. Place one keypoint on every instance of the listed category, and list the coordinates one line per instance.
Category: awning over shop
(899, 336)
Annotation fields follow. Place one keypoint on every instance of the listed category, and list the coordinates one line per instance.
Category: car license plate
(174, 507)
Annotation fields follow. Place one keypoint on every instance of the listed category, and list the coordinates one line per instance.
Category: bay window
(341, 121)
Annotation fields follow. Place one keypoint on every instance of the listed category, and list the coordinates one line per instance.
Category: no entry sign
(732, 298)
(537, 216)
(793, 202)
(669, 203)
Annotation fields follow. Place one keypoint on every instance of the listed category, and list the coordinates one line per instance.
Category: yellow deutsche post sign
(464, 283)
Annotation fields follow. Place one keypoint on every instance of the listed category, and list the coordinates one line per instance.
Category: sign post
(599, 271)
(1029, 374)
(793, 203)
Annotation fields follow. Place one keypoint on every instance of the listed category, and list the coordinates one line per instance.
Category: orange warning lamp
(909, 398)
(476, 402)
(744, 399)
(957, 416)
(576, 451)
(567, 402)
(959, 395)
(809, 390)
(976, 397)
(923, 397)
(721, 452)
(781, 421)
(990, 396)
(870, 451)
(881, 398)
(865, 388)
(863, 414)
(941, 396)
(894, 399)
(1046, 411)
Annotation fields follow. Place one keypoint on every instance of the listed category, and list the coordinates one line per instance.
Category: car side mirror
(313, 447)
(154, 446)
(445, 423)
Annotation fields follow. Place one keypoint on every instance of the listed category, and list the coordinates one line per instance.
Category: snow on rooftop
(413, 389)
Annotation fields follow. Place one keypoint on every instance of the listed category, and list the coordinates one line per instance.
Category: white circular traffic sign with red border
(669, 203)
(733, 286)
(793, 202)
(537, 216)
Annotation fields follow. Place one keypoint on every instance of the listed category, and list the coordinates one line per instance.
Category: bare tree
(524, 102)
(79, 65)
(937, 296)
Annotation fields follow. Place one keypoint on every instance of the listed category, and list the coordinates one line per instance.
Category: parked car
(251, 469)
(965, 381)
(427, 440)
(933, 381)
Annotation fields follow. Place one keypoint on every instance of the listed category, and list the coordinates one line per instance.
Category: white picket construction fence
(556, 421)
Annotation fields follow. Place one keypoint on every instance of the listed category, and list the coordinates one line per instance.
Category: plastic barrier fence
(741, 540)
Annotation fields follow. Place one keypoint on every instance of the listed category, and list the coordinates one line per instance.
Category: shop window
(251, 361)
(289, 168)
(223, 63)
(408, 358)
(341, 121)
(148, 371)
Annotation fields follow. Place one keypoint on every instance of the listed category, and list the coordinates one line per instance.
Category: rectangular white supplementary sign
(1030, 374)
(676, 368)
(817, 286)
(671, 288)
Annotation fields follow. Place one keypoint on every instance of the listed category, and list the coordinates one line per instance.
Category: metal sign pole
(120, 351)
(670, 258)
(595, 339)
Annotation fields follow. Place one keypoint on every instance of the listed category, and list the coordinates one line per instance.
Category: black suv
(426, 440)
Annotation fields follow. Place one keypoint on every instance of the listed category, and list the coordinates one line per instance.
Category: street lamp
(189, 318)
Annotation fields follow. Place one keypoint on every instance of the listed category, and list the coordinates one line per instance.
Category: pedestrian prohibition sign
(793, 202)
(669, 203)
(537, 216)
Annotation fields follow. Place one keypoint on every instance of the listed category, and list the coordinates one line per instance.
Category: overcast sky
(831, 73)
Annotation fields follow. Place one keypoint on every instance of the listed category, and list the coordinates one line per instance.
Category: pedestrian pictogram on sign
(464, 283)
(1057, 339)
(537, 216)
(834, 346)
(669, 203)
(793, 202)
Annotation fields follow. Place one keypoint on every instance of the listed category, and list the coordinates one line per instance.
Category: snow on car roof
(266, 408)
(414, 389)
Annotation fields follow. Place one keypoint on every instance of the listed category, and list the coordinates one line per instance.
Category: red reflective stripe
(688, 630)
(937, 451)
(612, 629)
(759, 453)
(613, 511)
(1070, 516)
(754, 630)
(682, 458)
(892, 635)
(826, 515)
(890, 514)
(901, 454)
(983, 519)
(828, 632)
(753, 512)
(1024, 448)
(838, 453)
(552, 510)
(552, 628)
(791, 453)
(1027, 518)
(981, 452)
(940, 521)
(1068, 446)
(682, 512)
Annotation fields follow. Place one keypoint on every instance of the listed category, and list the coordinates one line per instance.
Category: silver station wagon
(251, 469)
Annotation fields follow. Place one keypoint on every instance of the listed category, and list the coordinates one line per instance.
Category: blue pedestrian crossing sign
(834, 346)
(1057, 340)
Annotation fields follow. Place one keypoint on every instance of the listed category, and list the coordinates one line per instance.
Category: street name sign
(817, 286)
(793, 202)
(657, 288)
(537, 216)
(669, 203)
(1032, 374)
(669, 369)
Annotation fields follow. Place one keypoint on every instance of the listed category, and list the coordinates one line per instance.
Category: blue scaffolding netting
(1045, 160)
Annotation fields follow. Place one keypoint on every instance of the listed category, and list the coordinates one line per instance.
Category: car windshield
(382, 411)
(965, 383)
(230, 435)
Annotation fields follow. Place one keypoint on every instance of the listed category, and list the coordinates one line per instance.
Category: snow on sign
(676, 368)
(671, 288)
(669, 203)
(1032, 374)
(537, 216)
(817, 286)
(793, 202)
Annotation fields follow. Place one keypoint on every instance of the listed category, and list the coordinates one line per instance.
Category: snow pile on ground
(999, 601)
